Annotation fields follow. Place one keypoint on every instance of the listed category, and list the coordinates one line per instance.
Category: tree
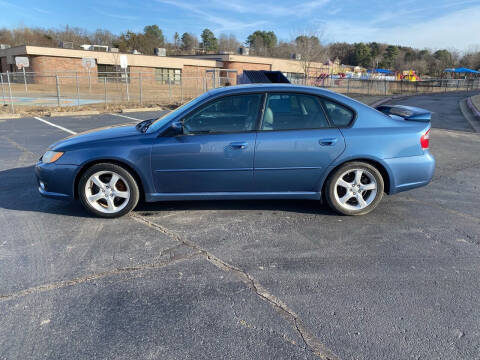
(310, 50)
(341, 51)
(376, 50)
(389, 56)
(130, 41)
(228, 42)
(189, 42)
(262, 42)
(103, 37)
(176, 41)
(153, 38)
(209, 41)
(284, 49)
(362, 55)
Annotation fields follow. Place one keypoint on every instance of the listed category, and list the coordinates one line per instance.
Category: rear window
(338, 114)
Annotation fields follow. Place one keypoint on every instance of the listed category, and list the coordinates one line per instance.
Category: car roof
(267, 87)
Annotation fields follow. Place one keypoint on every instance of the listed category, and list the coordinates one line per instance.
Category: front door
(295, 144)
(215, 152)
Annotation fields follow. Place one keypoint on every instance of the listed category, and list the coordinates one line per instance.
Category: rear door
(295, 144)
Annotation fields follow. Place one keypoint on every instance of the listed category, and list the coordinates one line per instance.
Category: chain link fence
(82, 89)
(29, 89)
(385, 87)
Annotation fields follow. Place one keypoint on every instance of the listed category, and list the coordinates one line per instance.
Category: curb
(157, 108)
(10, 116)
(473, 108)
(73, 113)
(471, 113)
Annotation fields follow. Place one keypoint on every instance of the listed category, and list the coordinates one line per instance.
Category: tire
(344, 193)
(108, 190)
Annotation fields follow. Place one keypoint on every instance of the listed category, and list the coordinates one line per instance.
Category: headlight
(51, 156)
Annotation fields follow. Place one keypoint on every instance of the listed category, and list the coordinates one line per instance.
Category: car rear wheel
(355, 188)
(108, 190)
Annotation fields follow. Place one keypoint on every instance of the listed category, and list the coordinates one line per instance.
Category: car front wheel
(108, 190)
(355, 188)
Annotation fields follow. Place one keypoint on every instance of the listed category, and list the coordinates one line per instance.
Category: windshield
(161, 121)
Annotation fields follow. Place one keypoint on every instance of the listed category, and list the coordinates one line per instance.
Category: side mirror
(175, 129)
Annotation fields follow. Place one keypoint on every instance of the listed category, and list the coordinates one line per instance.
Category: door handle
(239, 145)
(327, 142)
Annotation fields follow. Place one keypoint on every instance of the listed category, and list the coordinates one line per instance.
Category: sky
(433, 24)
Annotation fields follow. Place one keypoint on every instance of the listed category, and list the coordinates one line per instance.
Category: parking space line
(54, 125)
(127, 117)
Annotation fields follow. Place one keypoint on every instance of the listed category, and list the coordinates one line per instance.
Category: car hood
(105, 133)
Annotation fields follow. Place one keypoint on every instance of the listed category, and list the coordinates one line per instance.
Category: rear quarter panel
(394, 143)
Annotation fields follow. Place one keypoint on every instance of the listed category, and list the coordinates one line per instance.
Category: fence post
(89, 82)
(181, 88)
(58, 89)
(140, 86)
(169, 90)
(348, 85)
(385, 86)
(126, 84)
(3, 90)
(25, 81)
(78, 90)
(105, 89)
(10, 92)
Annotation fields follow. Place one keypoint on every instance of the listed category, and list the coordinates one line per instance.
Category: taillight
(425, 140)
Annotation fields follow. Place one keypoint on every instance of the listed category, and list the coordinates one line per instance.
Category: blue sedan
(247, 142)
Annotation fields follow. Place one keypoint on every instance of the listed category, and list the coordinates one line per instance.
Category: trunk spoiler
(409, 113)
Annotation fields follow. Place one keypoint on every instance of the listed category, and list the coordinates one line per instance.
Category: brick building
(46, 62)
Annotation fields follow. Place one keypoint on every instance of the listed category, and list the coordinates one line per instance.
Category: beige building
(65, 62)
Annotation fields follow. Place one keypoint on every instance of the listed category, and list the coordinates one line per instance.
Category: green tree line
(307, 47)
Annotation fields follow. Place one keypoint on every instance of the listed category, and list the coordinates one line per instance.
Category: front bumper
(56, 181)
(411, 172)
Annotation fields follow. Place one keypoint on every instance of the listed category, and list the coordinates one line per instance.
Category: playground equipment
(409, 75)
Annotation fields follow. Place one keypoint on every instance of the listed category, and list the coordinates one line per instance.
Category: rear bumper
(410, 172)
(56, 181)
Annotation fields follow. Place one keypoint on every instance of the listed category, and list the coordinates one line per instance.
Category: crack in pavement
(310, 341)
(248, 325)
(87, 278)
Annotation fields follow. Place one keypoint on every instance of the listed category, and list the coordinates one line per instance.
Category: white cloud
(223, 24)
(274, 8)
(459, 29)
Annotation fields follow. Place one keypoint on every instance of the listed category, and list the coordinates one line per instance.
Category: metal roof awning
(263, 77)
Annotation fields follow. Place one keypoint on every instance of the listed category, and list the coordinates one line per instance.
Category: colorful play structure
(409, 75)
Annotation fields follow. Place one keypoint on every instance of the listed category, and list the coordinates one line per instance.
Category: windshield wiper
(143, 125)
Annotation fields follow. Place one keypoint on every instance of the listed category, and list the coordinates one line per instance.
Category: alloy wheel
(107, 192)
(355, 189)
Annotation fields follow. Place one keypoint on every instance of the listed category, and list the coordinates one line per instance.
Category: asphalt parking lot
(242, 279)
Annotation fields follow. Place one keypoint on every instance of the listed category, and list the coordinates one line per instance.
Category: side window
(338, 114)
(293, 111)
(235, 113)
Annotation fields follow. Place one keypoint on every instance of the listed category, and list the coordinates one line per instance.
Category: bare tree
(309, 47)
(228, 42)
